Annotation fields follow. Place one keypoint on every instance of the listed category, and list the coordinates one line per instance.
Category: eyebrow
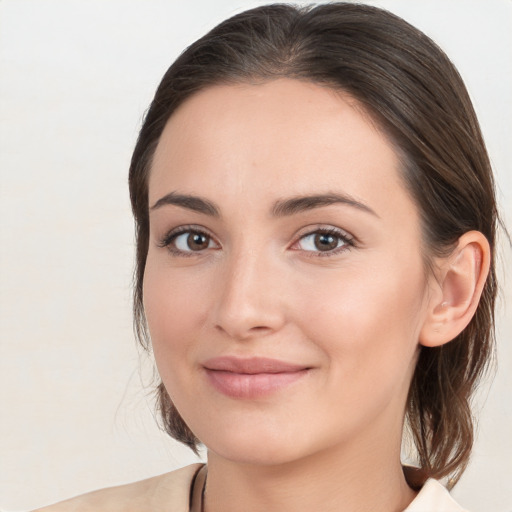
(302, 203)
(281, 208)
(197, 204)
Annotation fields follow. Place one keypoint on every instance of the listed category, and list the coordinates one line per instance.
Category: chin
(257, 454)
(263, 446)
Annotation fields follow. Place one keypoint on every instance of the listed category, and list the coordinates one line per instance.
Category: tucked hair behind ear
(411, 89)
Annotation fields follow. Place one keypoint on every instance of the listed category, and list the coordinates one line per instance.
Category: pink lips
(253, 377)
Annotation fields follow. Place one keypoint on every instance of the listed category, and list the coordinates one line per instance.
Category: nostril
(239, 332)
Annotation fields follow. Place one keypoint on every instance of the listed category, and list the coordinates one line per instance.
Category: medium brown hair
(412, 90)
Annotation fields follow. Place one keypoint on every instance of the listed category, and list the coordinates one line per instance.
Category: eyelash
(347, 240)
(170, 237)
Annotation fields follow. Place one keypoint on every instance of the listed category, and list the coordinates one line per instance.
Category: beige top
(170, 492)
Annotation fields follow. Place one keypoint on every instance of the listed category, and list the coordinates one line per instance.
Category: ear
(457, 286)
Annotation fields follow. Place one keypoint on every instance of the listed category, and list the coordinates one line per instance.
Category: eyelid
(171, 235)
(348, 239)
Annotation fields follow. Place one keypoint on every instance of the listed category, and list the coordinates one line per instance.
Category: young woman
(316, 221)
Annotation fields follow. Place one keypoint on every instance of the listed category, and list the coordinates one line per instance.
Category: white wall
(75, 79)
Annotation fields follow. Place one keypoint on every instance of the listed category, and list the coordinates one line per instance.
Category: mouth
(252, 378)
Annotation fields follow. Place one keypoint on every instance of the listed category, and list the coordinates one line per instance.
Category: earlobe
(459, 284)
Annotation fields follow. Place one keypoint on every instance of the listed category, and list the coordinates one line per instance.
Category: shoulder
(150, 495)
(434, 496)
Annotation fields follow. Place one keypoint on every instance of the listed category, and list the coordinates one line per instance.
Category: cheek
(175, 309)
(367, 321)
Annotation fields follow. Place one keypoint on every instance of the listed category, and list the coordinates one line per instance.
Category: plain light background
(75, 79)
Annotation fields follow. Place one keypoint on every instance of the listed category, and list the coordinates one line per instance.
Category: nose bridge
(248, 302)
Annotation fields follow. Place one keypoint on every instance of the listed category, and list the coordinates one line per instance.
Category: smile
(252, 378)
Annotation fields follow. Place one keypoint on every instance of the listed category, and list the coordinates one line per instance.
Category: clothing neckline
(430, 493)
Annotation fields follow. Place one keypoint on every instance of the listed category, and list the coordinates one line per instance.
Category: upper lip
(252, 365)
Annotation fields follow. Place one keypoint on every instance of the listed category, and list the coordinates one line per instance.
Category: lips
(252, 377)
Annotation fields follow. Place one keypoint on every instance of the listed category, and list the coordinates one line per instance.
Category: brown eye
(197, 241)
(325, 241)
(191, 241)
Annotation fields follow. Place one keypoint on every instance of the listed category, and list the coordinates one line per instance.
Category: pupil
(197, 241)
(324, 242)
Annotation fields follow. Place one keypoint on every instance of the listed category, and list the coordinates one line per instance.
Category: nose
(251, 301)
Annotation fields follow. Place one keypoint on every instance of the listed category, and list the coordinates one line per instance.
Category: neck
(335, 480)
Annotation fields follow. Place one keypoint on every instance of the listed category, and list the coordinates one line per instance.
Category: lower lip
(250, 386)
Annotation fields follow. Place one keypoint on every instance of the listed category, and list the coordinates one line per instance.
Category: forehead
(282, 137)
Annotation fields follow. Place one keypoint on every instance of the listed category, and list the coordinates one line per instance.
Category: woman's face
(284, 286)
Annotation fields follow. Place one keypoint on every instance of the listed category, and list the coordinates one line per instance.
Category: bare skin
(258, 286)
(280, 228)
(287, 298)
